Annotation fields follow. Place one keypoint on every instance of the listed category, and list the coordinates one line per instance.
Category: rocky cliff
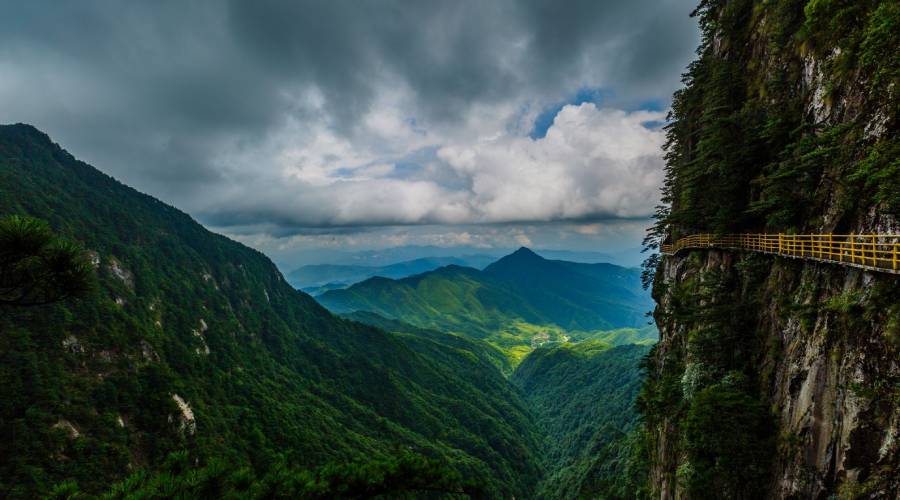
(777, 377)
(821, 341)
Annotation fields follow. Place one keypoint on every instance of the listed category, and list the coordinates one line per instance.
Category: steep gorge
(192, 368)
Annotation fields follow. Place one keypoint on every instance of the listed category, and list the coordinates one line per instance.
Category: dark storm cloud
(183, 99)
(454, 53)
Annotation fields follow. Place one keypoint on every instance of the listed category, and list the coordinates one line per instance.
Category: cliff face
(824, 343)
(777, 377)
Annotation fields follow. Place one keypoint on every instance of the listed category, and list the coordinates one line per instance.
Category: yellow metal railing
(879, 252)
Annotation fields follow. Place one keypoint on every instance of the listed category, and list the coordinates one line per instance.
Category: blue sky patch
(544, 121)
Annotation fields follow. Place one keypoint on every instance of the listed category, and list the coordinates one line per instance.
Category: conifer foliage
(37, 267)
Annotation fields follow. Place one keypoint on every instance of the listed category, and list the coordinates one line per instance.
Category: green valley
(517, 303)
(582, 397)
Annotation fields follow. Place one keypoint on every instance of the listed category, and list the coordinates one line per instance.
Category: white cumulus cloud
(593, 162)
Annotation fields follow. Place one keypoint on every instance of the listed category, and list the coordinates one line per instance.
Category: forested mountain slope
(192, 341)
(583, 396)
(482, 350)
(776, 377)
(573, 295)
(450, 298)
(518, 302)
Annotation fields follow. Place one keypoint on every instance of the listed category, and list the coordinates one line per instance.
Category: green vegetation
(517, 303)
(190, 342)
(706, 389)
(646, 335)
(404, 475)
(575, 296)
(728, 438)
(583, 395)
(473, 349)
(36, 267)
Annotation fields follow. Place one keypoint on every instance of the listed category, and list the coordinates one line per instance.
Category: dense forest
(583, 397)
(787, 122)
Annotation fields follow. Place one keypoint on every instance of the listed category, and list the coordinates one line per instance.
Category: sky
(314, 129)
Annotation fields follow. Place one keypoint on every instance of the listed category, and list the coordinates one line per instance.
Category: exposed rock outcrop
(186, 422)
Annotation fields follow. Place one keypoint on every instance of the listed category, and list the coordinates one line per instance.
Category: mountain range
(291, 259)
(319, 278)
(519, 301)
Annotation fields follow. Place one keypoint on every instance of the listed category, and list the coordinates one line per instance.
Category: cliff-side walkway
(875, 252)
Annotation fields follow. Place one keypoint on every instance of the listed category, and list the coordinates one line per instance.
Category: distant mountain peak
(523, 253)
(523, 258)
